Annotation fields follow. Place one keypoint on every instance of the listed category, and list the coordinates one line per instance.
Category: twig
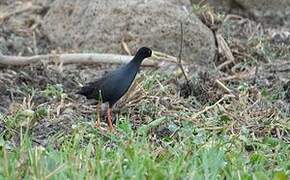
(160, 55)
(232, 16)
(151, 125)
(180, 54)
(132, 91)
(126, 48)
(210, 107)
(223, 86)
(29, 8)
(166, 57)
(81, 58)
(256, 74)
(239, 76)
(35, 49)
(225, 49)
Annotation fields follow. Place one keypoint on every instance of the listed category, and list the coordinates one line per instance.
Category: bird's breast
(118, 85)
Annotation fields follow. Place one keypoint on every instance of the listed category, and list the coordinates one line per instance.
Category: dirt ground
(258, 77)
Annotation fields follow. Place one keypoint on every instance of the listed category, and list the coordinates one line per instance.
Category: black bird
(111, 87)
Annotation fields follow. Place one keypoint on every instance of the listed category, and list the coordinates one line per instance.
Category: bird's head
(143, 53)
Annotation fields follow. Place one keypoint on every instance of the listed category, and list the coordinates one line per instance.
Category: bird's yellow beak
(154, 54)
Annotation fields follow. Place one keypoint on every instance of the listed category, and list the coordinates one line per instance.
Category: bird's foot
(103, 129)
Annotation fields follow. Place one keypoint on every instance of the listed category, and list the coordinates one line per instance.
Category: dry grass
(232, 122)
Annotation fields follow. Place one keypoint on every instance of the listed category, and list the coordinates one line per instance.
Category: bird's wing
(91, 89)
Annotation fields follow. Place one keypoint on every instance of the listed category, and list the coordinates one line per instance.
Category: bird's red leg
(98, 120)
(109, 113)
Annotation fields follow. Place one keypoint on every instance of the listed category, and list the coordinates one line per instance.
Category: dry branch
(223, 86)
(18, 11)
(146, 128)
(180, 55)
(77, 58)
(223, 48)
(207, 108)
(240, 76)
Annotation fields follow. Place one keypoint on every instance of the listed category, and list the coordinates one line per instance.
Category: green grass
(195, 154)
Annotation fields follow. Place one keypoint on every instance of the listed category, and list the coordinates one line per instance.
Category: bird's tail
(87, 91)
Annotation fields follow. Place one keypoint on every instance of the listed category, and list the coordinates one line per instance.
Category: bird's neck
(136, 62)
